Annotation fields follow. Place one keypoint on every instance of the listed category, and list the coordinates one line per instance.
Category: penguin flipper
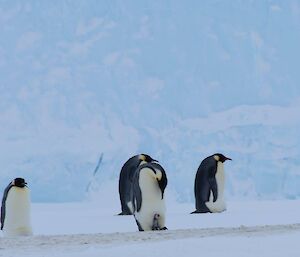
(137, 193)
(214, 188)
(2, 214)
(3, 206)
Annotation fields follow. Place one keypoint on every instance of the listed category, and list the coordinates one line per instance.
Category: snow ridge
(65, 241)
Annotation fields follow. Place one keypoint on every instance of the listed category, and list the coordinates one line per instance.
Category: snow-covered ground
(89, 229)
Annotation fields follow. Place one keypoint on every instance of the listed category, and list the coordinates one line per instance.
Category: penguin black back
(206, 171)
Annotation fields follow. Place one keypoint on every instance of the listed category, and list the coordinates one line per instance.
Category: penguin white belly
(219, 205)
(17, 216)
(151, 204)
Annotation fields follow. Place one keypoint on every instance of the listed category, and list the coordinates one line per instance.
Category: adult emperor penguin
(149, 184)
(209, 184)
(15, 209)
(125, 180)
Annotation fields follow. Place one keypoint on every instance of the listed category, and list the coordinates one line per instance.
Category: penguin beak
(229, 159)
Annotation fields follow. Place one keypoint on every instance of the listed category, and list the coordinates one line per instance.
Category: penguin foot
(124, 213)
(164, 228)
(200, 211)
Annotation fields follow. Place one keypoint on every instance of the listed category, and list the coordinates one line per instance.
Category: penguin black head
(146, 158)
(19, 182)
(221, 158)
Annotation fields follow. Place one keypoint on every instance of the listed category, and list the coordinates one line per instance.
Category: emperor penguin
(125, 180)
(209, 184)
(15, 209)
(149, 184)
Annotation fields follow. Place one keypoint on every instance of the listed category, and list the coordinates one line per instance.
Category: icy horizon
(177, 80)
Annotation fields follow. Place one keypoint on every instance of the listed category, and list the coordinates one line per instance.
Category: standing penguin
(149, 184)
(209, 184)
(15, 209)
(125, 180)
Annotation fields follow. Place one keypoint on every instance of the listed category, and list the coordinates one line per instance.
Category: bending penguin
(149, 184)
(209, 184)
(125, 180)
(15, 209)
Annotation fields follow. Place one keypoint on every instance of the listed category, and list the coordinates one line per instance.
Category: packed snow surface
(89, 229)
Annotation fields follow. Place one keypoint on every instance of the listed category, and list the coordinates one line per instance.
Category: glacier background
(177, 80)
